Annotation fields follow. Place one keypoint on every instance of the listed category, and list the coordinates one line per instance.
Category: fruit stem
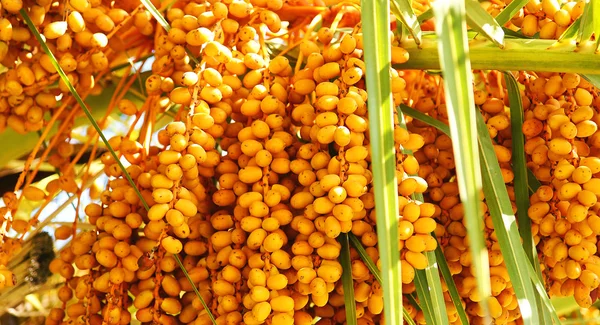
(518, 54)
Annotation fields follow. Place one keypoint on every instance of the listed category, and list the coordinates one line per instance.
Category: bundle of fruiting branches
(303, 161)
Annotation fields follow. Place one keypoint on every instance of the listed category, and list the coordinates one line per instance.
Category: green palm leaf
(403, 11)
(458, 87)
(484, 23)
(377, 52)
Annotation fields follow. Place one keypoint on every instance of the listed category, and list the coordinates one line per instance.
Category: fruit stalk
(518, 54)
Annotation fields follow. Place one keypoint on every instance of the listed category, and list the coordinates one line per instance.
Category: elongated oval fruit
(55, 29)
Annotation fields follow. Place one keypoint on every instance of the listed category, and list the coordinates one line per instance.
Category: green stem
(517, 55)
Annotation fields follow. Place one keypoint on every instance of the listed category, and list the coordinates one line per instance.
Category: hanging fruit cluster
(233, 211)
